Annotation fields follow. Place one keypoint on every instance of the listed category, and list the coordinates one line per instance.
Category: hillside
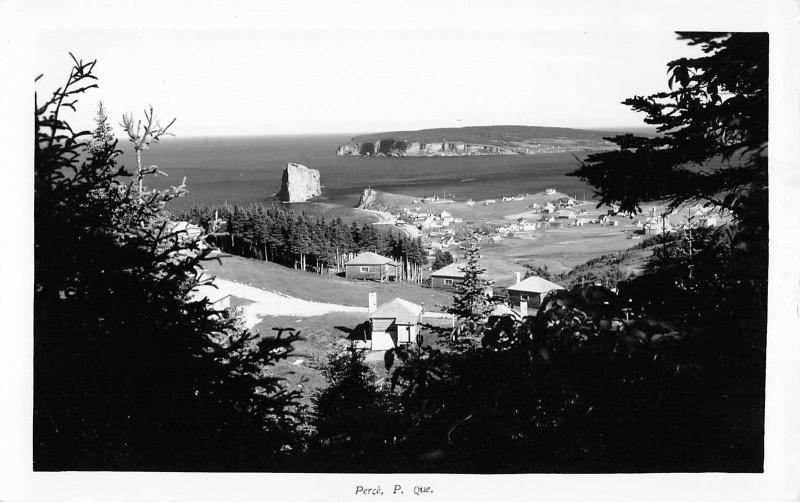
(477, 140)
(319, 288)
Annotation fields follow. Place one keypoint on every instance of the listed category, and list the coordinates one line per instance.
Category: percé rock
(299, 183)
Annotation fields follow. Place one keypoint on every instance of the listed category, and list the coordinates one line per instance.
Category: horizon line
(362, 133)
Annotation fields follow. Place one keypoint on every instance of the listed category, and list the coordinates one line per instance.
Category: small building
(550, 191)
(394, 323)
(372, 266)
(448, 277)
(656, 225)
(531, 291)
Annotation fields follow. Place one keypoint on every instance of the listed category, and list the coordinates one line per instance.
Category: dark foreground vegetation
(665, 375)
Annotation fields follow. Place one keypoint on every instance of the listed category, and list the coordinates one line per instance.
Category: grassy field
(320, 288)
(559, 248)
(319, 334)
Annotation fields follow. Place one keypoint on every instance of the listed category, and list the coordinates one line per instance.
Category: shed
(448, 277)
(394, 323)
(531, 291)
(371, 266)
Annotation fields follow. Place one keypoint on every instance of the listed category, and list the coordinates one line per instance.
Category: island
(478, 140)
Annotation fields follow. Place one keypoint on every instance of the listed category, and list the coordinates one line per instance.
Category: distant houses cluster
(397, 322)
(428, 219)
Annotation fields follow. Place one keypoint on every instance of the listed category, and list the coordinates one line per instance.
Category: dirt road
(269, 303)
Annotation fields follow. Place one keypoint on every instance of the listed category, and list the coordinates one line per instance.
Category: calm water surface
(242, 170)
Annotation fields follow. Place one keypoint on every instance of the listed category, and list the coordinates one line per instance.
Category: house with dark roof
(530, 292)
(394, 323)
(372, 266)
(447, 277)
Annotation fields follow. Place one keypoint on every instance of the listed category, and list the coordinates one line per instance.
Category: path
(269, 303)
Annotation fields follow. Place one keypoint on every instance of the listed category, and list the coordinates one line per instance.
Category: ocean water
(241, 170)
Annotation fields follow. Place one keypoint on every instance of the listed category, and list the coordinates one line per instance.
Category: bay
(242, 170)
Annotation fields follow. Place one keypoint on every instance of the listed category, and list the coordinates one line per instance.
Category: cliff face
(368, 199)
(400, 148)
(299, 183)
(478, 140)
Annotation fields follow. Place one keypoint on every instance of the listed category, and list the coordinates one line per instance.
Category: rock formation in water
(299, 183)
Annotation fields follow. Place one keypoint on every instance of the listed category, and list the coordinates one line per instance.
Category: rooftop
(534, 284)
(370, 258)
(402, 311)
(452, 270)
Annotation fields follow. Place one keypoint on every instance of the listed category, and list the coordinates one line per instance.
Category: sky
(272, 81)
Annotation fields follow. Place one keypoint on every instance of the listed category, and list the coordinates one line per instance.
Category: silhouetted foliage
(131, 372)
(353, 419)
(667, 375)
(713, 144)
(470, 302)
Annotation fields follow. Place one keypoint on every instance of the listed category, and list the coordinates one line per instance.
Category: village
(511, 230)
(274, 290)
(547, 228)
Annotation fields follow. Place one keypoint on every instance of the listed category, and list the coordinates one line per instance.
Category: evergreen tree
(713, 146)
(131, 370)
(441, 259)
(470, 303)
(353, 424)
(103, 134)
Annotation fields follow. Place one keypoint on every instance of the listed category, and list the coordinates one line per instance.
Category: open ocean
(241, 170)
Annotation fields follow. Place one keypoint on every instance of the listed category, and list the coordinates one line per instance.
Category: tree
(103, 135)
(142, 135)
(353, 422)
(131, 369)
(712, 149)
(441, 259)
(470, 302)
(712, 146)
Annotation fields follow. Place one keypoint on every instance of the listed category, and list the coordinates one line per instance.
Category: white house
(394, 323)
